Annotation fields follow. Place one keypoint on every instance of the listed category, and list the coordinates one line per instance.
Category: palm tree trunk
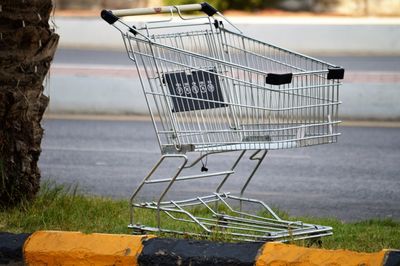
(27, 46)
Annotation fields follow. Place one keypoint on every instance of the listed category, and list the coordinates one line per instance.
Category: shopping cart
(212, 90)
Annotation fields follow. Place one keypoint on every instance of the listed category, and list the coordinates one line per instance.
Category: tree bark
(27, 46)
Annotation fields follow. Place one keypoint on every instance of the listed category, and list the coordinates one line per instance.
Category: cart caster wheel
(314, 242)
(137, 231)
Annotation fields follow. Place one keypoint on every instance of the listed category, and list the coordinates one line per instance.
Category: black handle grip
(336, 73)
(108, 16)
(278, 79)
(208, 9)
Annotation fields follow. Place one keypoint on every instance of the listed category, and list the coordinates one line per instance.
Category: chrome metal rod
(189, 177)
(260, 160)
(179, 170)
(232, 169)
(155, 167)
(155, 10)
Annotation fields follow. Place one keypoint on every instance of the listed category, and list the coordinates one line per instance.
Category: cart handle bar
(113, 15)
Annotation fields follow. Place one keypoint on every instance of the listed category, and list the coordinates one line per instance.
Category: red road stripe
(130, 72)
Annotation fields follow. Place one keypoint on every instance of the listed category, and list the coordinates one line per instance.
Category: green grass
(63, 208)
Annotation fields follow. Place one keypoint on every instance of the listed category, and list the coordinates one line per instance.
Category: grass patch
(64, 208)
(367, 236)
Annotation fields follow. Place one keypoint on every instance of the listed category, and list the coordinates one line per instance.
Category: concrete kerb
(76, 248)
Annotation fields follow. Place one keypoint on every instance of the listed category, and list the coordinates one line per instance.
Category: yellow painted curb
(278, 254)
(75, 248)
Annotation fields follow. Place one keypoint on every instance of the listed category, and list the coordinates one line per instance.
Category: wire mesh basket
(211, 89)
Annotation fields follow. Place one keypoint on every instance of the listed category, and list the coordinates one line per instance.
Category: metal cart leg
(253, 158)
(147, 177)
(176, 177)
(228, 175)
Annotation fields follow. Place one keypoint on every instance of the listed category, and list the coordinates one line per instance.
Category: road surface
(356, 178)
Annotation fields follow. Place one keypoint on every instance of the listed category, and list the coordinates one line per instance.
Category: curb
(11, 247)
(75, 248)
(166, 251)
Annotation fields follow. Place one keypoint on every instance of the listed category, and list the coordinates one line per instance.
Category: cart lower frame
(220, 213)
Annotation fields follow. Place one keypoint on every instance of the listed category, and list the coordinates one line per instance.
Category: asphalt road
(356, 178)
(350, 63)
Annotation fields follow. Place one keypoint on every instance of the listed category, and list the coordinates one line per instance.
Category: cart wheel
(223, 223)
(314, 242)
(138, 231)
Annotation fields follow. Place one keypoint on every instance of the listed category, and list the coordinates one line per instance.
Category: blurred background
(339, 7)
(363, 36)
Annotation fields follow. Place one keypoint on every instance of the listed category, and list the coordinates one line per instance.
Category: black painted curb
(11, 247)
(392, 258)
(168, 251)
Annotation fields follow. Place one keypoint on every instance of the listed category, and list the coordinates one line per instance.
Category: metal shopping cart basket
(212, 90)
